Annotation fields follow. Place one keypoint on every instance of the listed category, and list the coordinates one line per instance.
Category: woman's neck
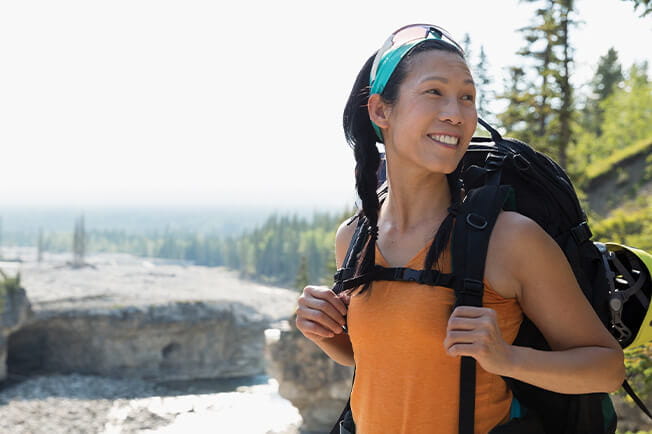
(415, 198)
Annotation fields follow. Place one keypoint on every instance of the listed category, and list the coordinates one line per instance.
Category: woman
(416, 95)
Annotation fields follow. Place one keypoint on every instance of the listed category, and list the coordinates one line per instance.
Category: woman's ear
(378, 111)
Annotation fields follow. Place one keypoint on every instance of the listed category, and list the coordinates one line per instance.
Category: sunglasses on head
(407, 34)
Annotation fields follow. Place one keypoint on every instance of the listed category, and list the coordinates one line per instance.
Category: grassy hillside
(618, 194)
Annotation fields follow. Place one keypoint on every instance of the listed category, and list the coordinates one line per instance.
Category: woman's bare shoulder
(515, 237)
(513, 227)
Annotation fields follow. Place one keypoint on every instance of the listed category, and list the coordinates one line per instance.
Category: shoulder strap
(473, 225)
(348, 267)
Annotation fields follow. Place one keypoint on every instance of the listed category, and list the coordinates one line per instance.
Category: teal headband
(386, 68)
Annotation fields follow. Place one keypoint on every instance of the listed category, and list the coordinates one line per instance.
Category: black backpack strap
(473, 225)
(399, 274)
(355, 246)
(345, 421)
(424, 277)
(636, 399)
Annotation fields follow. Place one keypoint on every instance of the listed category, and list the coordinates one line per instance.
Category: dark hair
(362, 138)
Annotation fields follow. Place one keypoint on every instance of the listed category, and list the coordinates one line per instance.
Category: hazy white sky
(145, 102)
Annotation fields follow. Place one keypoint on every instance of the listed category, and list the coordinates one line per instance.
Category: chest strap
(397, 274)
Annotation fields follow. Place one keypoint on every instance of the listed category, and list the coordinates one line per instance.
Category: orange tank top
(405, 383)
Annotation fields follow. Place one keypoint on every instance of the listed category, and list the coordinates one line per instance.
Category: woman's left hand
(474, 332)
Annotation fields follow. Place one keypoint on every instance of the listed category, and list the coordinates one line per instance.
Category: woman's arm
(585, 358)
(321, 313)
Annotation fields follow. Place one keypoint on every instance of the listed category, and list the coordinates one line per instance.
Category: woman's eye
(468, 97)
(434, 91)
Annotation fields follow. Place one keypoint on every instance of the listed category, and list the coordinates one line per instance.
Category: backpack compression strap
(474, 222)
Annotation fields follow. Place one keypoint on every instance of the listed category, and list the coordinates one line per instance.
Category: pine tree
(550, 54)
(519, 117)
(607, 76)
(466, 46)
(566, 109)
(483, 83)
(539, 38)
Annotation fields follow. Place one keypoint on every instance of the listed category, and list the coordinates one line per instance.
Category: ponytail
(362, 138)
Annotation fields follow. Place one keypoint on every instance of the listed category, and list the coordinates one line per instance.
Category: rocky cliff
(314, 383)
(131, 318)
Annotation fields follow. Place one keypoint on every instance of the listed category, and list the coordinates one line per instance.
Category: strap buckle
(407, 274)
(472, 287)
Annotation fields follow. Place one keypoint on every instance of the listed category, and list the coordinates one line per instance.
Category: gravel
(86, 404)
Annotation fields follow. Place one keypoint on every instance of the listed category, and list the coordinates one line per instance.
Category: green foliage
(271, 253)
(638, 362)
(627, 226)
(644, 5)
(7, 285)
(607, 77)
(616, 155)
(628, 111)
(539, 94)
(521, 113)
(625, 131)
(633, 432)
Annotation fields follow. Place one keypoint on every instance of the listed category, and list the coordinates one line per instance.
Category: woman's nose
(451, 112)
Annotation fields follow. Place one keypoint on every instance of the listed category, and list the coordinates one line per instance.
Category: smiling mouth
(444, 139)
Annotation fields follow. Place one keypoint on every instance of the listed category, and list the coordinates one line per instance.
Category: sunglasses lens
(409, 34)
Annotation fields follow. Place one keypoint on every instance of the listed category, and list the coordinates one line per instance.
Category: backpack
(502, 173)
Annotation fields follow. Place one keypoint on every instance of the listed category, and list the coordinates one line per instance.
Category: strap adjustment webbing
(471, 293)
(581, 232)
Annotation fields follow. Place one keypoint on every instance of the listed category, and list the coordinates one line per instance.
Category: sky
(202, 103)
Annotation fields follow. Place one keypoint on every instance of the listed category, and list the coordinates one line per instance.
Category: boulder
(15, 310)
(316, 385)
(172, 341)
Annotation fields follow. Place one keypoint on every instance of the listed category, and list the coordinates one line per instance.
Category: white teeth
(449, 140)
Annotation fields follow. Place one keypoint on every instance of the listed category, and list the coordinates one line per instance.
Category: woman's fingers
(320, 312)
(474, 332)
(313, 330)
(321, 300)
(325, 321)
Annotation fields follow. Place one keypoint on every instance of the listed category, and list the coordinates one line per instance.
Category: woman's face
(434, 117)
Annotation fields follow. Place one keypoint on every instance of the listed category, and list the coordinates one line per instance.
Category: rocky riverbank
(169, 344)
(77, 404)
